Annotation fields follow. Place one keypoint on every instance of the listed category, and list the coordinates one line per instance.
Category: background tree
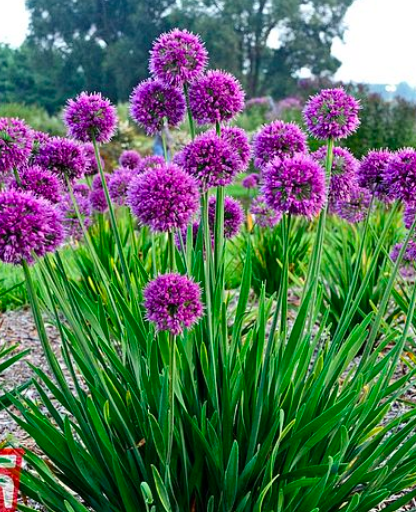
(239, 34)
(104, 44)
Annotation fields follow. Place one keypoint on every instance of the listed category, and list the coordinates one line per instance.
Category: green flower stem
(285, 275)
(153, 252)
(171, 249)
(40, 325)
(113, 222)
(89, 243)
(164, 142)
(316, 258)
(172, 380)
(342, 324)
(16, 176)
(190, 118)
(219, 231)
(219, 224)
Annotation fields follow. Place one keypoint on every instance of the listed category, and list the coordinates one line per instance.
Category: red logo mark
(11, 461)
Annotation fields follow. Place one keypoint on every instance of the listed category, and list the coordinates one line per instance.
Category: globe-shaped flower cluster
(16, 140)
(332, 114)
(165, 198)
(295, 185)
(173, 302)
(28, 226)
(90, 117)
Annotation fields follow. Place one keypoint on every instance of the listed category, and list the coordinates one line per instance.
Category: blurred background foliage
(103, 45)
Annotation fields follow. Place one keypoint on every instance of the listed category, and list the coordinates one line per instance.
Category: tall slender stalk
(40, 325)
(285, 275)
(16, 176)
(172, 357)
(164, 141)
(188, 109)
(314, 271)
(219, 224)
(113, 221)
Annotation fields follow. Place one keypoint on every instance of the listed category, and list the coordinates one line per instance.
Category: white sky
(379, 46)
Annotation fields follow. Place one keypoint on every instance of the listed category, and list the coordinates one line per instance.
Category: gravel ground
(17, 327)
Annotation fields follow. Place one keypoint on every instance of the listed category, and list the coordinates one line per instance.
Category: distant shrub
(384, 124)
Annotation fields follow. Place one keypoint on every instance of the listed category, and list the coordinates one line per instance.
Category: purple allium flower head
(91, 166)
(332, 114)
(97, 195)
(355, 208)
(164, 198)
(400, 175)
(173, 302)
(216, 96)
(295, 185)
(130, 159)
(343, 173)
(371, 173)
(89, 117)
(251, 181)
(39, 181)
(277, 139)
(149, 162)
(233, 215)
(62, 157)
(118, 184)
(39, 139)
(210, 159)
(28, 224)
(409, 214)
(263, 215)
(72, 227)
(178, 57)
(153, 103)
(16, 140)
(238, 141)
(408, 263)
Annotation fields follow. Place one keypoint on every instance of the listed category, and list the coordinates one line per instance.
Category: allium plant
(71, 213)
(16, 140)
(154, 104)
(238, 141)
(164, 198)
(178, 57)
(211, 160)
(400, 174)
(277, 139)
(295, 185)
(343, 173)
(174, 394)
(118, 184)
(90, 117)
(39, 182)
(233, 215)
(63, 157)
(173, 302)
(98, 199)
(332, 114)
(149, 162)
(264, 216)
(371, 174)
(355, 207)
(91, 166)
(251, 181)
(130, 158)
(215, 97)
(29, 226)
